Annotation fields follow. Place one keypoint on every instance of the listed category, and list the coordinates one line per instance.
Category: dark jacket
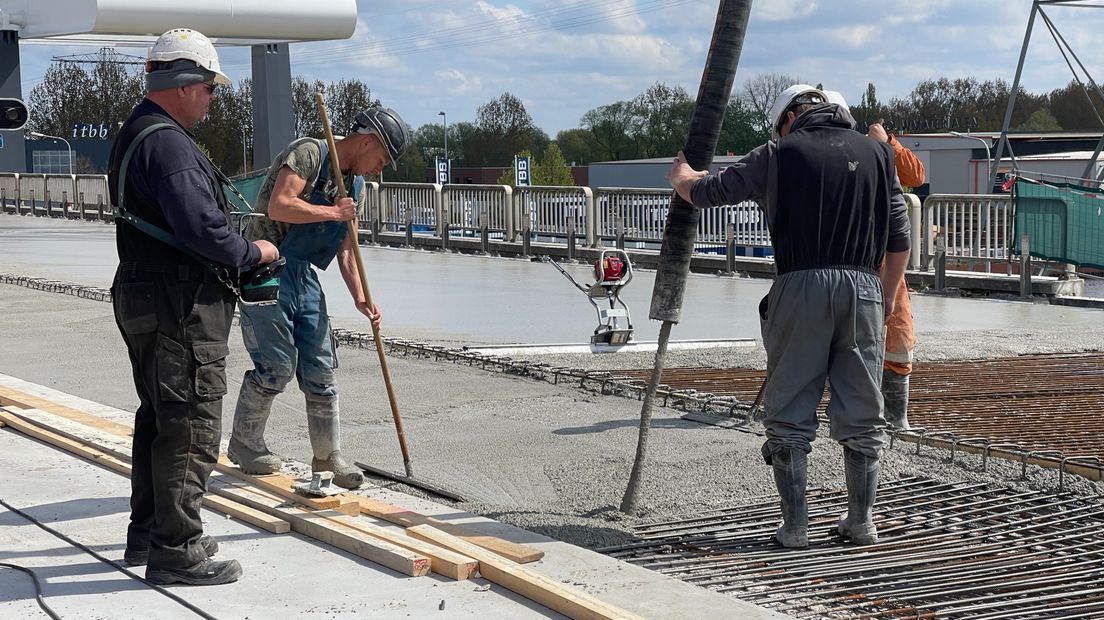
(831, 194)
(172, 185)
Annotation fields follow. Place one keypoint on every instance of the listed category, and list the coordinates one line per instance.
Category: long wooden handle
(335, 168)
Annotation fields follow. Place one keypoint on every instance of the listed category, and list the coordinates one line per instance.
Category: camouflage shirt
(304, 157)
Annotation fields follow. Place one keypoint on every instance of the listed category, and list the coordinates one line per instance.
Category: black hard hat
(389, 126)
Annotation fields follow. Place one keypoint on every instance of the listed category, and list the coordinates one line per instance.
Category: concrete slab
(89, 505)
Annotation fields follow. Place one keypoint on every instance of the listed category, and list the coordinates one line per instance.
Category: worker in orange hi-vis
(900, 335)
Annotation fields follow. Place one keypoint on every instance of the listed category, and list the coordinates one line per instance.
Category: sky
(563, 58)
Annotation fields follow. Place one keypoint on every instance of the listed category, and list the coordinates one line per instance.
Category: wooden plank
(519, 553)
(120, 462)
(261, 519)
(442, 561)
(23, 400)
(568, 600)
(284, 487)
(320, 526)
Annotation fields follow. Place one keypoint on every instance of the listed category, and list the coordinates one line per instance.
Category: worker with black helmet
(304, 217)
(835, 209)
(174, 296)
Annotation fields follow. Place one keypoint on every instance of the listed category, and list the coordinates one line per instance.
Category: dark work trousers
(175, 320)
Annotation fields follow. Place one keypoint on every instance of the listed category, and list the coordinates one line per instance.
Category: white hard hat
(834, 96)
(188, 44)
(798, 93)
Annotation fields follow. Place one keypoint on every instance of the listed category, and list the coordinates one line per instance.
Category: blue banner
(521, 170)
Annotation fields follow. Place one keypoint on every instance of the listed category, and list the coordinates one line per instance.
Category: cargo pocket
(870, 292)
(135, 307)
(210, 374)
(173, 376)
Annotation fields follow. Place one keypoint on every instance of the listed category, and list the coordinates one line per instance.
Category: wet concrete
(474, 299)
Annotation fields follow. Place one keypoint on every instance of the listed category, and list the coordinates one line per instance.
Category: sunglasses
(211, 87)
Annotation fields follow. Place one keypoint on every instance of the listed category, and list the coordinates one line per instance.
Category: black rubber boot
(139, 557)
(895, 389)
(861, 472)
(323, 426)
(247, 445)
(206, 573)
(790, 465)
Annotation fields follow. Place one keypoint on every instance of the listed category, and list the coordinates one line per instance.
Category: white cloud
(782, 10)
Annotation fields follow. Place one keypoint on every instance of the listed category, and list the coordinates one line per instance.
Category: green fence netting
(1063, 222)
(249, 185)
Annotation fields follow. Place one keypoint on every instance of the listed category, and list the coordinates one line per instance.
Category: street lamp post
(444, 121)
(988, 159)
(35, 134)
(245, 160)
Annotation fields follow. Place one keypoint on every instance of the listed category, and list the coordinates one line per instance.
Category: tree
(553, 168)
(507, 177)
(503, 129)
(660, 120)
(71, 95)
(740, 131)
(1076, 107)
(304, 107)
(610, 126)
(344, 100)
(758, 94)
(578, 145)
(1041, 120)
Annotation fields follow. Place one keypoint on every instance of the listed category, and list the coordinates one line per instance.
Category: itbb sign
(85, 130)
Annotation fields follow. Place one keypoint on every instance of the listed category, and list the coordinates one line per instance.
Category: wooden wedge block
(118, 461)
(567, 600)
(318, 524)
(284, 487)
(519, 553)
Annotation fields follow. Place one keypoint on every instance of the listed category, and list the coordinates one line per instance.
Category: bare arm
(286, 206)
(895, 263)
(346, 261)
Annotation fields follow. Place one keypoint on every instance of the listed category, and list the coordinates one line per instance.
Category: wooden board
(519, 553)
(320, 526)
(284, 486)
(23, 400)
(567, 600)
(443, 561)
(119, 462)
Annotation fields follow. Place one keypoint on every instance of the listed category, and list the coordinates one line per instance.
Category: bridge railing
(976, 228)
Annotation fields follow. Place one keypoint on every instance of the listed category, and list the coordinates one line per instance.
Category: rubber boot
(861, 472)
(247, 445)
(790, 466)
(895, 389)
(325, 437)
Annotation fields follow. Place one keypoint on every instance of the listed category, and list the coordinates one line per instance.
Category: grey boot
(247, 445)
(789, 476)
(895, 389)
(861, 472)
(325, 436)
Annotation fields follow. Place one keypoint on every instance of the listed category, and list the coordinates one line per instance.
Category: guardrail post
(510, 232)
(445, 235)
(620, 229)
(730, 248)
(570, 238)
(940, 263)
(591, 221)
(4, 199)
(100, 208)
(66, 212)
(1025, 266)
(526, 247)
(913, 203)
(484, 234)
(409, 227)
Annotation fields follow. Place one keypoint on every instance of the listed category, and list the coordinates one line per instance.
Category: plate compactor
(612, 272)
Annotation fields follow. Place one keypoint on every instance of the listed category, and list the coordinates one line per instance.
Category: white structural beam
(227, 22)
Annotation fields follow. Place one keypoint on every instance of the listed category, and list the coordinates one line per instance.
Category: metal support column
(13, 153)
(273, 119)
(1012, 97)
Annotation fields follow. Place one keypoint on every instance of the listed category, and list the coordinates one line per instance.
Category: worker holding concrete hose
(304, 217)
(173, 300)
(835, 211)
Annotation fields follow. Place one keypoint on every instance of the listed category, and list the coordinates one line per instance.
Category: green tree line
(652, 124)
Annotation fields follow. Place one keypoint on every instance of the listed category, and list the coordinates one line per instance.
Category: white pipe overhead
(229, 22)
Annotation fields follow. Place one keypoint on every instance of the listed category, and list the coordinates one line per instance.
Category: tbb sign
(522, 170)
(86, 130)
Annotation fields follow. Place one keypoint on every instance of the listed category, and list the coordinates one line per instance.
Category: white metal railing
(551, 210)
(975, 227)
(470, 207)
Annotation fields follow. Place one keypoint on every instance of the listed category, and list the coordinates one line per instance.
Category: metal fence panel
(546, 210)
(416, 203)
(9, 192)
(468, 207)
(59, 194)
(32, 193)
(976, 227)
(92, 198)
